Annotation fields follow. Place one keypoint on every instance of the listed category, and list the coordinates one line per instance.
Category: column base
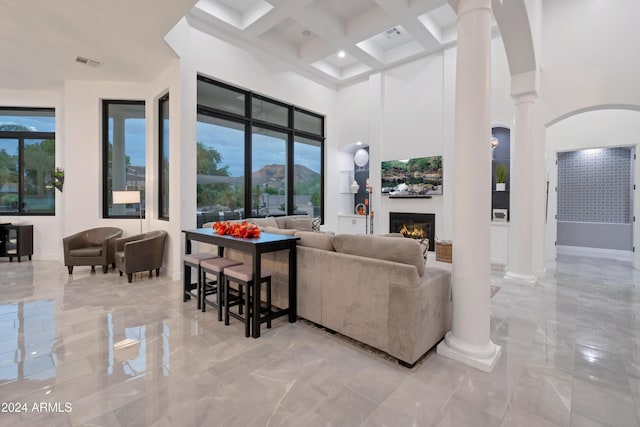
(483, 358)
(520, 279)
(540, 273)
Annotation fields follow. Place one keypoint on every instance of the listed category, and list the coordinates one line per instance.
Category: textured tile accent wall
(594, 185)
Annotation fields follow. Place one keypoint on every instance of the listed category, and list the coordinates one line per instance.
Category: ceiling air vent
(392, 33)
(87, 61)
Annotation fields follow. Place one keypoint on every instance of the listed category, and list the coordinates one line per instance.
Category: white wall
(413, 127)
(83, 152)
(416, 103)
(589, 54)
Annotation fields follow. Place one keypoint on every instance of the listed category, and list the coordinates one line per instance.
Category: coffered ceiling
(44, 43)
(332, 41)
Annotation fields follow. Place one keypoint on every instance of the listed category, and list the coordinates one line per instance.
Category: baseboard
(595, 252)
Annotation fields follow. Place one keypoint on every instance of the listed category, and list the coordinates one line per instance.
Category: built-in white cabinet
(351, 224)
(499, 245)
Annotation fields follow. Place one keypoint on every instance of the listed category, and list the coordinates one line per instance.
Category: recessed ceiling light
(341, 54)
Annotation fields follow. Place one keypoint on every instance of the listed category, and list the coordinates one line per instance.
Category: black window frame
(105, 159)
(21, 136)
(290, 130)
(163, 101)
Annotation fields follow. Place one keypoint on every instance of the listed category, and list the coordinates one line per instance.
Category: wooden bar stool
(214, 266)
(193, 261)
(243, 276)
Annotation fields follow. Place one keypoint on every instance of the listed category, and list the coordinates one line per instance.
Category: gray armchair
(141, 252)
(92, 247)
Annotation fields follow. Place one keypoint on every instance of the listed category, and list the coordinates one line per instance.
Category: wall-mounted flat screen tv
(419, 177)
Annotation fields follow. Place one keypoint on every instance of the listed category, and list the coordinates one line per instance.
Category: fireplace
(414, 225)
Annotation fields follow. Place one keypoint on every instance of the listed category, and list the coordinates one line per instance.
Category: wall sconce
(494, 142)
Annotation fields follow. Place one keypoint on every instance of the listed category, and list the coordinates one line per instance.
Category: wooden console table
(16, 241)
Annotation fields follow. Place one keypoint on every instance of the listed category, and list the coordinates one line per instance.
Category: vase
(58, 183)
(500, 186)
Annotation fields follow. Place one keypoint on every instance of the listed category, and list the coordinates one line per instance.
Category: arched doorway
(592, 151)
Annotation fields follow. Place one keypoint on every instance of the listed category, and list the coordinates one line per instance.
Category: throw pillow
(264, 222)
(315, 224)
(315, 240)
(275, 230)
(299, 223)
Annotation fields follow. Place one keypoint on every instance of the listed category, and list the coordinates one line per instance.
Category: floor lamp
(126, 198)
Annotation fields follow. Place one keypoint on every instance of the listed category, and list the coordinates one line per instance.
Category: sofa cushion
(299, 223)
(315, 240)
(279, 231)
(281, 221)
(264, 222)
(405, 251)
(88, 251)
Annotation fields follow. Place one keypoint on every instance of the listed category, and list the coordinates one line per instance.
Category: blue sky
(230, 142)
(35, 124)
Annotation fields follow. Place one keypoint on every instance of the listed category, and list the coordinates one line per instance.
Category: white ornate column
(540, 197)
(468, 341)
(520, 262)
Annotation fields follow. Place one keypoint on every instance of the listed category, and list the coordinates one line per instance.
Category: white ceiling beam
(334, 31)
(405, 16)
(274, 17)
(419, 7)
(369, 24)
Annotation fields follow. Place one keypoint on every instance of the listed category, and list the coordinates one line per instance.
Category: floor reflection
(28, 336)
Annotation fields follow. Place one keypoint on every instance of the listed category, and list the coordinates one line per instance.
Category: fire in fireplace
(414, 225)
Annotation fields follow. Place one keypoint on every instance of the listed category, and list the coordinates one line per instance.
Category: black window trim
(290, 130)
(21, 136)
(163, 98)
(105, 158)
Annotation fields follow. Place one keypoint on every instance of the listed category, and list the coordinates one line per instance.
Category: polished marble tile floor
(93, 350)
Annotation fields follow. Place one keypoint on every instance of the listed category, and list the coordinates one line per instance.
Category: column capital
(525, 86)
(464, 6)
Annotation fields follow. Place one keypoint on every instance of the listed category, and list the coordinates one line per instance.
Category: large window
(256, 156)
(307, 185)
(124, 155)
(27, 161)
(163, 191)
(268, 172)
(220, 169)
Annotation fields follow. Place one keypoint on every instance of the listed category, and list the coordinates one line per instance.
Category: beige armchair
(91, 247)
(141, 252)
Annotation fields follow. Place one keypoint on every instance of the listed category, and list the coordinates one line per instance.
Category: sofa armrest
(143, 254)
(109, 247)
(419, 316)
(75, 241)
(121, 241)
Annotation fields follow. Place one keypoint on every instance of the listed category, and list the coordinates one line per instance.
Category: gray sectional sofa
(374, 289)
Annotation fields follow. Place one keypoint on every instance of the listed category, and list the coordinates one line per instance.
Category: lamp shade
(361, 157)
(125, 197)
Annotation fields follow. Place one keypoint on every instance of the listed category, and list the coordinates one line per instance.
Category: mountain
(274, 175)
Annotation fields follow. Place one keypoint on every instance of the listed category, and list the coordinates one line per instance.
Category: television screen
(419, 177)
